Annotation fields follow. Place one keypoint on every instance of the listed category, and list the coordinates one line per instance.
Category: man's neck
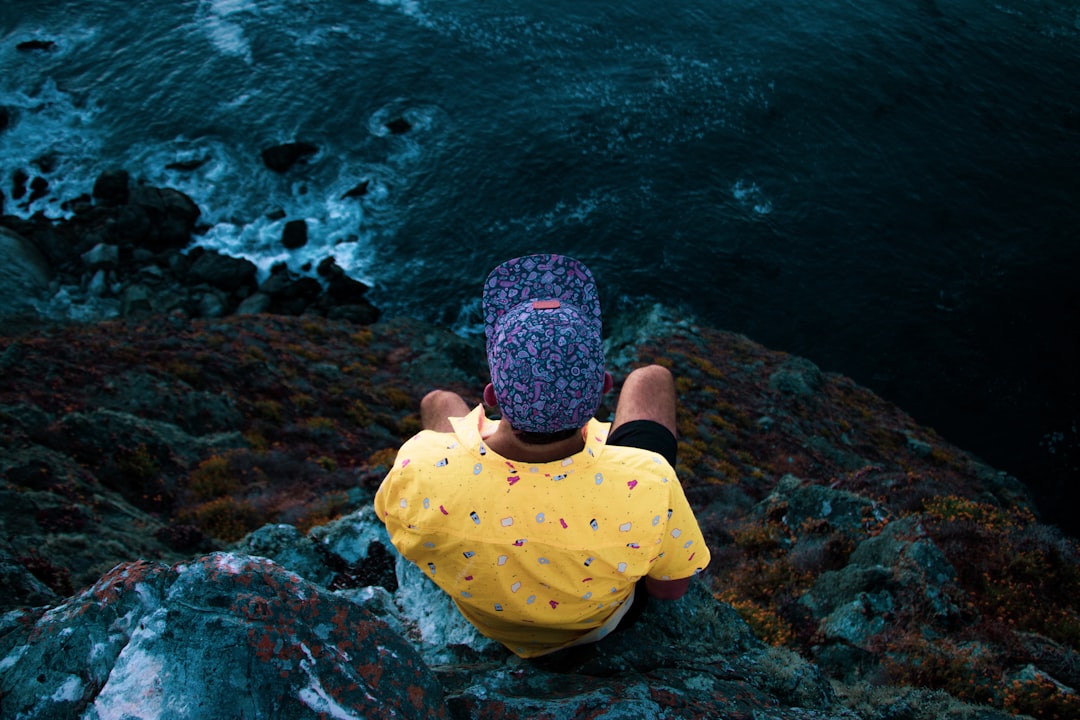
(504, 442)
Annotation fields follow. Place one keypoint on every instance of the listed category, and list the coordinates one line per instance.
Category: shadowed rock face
(24, 273)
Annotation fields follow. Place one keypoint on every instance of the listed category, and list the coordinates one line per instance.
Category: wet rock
(187, 165)
(281, 158)
(35, 45)
(172, 216)
(223, 271)
(290, 294)
(358, 191)
(295, 234)
(346, 291)
(399, 126)
(112, 187)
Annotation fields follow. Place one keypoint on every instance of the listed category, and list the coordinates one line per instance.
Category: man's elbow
(666, 589)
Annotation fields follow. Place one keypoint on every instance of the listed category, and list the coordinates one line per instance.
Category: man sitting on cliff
(540, 525)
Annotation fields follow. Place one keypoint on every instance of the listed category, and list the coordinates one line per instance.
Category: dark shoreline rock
(126, 251)
(281, 158)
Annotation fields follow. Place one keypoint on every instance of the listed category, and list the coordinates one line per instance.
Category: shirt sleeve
(684, 552)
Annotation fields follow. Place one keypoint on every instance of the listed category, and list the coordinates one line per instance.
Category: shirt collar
(471, 428)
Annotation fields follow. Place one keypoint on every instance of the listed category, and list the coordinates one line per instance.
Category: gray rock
(136, 301)
(102, 255)
(280, 158)
(254, 304)
(222, 271)
(797, 376)
(225, 635)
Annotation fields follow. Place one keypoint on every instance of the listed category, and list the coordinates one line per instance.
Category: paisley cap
(544, 344)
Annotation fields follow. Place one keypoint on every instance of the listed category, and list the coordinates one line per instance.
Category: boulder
(398, 126)
(360, 314)
(254, 304)
(358, 191)
(295, 234)
(224, 635)
(290, 294)
(346, 291)
(280, 158)
(101, 255)
(171, 215)
(223, 271)
(24, 274)
(136, 301)
(32, 45)
(112, 187)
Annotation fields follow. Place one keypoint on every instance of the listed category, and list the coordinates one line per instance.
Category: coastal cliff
(166, 474)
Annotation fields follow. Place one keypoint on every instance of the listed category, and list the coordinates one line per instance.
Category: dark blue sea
(891, 189)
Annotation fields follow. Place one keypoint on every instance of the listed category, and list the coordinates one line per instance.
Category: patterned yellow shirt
(535, 555)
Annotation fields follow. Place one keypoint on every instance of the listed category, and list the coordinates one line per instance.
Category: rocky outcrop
(861, 563)
(224, 635)
(243, 635)
(126, 251)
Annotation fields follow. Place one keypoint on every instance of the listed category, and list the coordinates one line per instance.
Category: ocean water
(889, 189)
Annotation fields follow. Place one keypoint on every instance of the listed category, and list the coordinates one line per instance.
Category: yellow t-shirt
(535, 555)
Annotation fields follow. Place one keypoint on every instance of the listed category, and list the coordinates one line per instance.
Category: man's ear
(609, 382)
(489, 396)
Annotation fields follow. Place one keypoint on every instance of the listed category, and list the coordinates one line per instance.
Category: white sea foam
(748, 194)
(220, 21)
(409, 8)
(53, 135)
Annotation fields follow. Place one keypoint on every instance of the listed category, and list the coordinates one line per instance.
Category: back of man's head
(544, 342)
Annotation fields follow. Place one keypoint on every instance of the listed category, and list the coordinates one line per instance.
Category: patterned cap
(544, 344)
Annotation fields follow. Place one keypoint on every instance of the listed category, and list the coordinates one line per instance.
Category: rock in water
(280, 158)
(222, 636)
(295, 234)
